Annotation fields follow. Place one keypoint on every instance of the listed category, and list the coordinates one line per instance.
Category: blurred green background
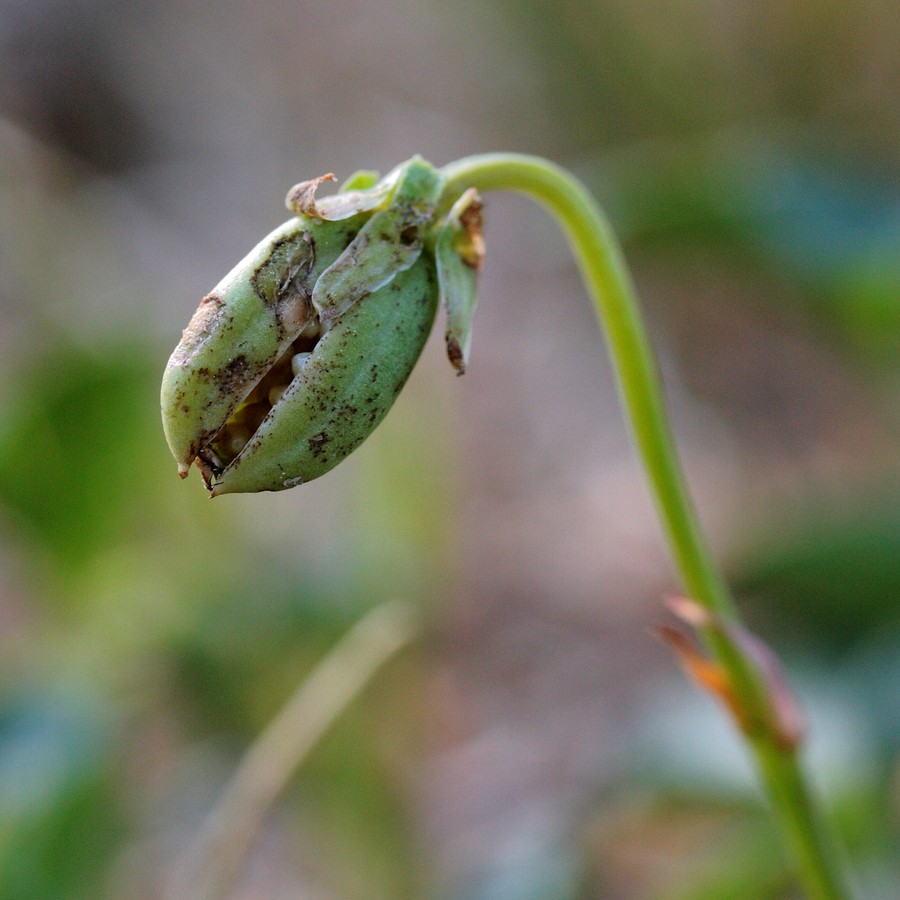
(540, 743)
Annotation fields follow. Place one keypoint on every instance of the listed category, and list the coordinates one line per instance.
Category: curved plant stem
(609, 284)
(214, 859)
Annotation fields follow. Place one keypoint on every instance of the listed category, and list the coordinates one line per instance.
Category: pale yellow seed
(311, 329)
(237, 439)
(298, 361)
(276, 392)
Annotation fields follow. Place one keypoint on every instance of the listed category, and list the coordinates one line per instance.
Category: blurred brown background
(540, 743)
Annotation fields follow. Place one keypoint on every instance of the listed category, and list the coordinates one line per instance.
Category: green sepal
(459, 251)
(360, 180)
(389, 243)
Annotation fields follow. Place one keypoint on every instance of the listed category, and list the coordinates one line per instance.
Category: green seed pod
(342, 390)
(300, 351)
(241, 329)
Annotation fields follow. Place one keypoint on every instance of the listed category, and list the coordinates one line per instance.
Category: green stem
(610, 287)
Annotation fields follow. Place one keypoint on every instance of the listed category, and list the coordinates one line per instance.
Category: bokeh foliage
(147, 635)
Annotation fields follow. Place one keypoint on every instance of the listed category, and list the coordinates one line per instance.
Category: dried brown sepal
(471, 249)
(705, 673)
(301, 198)
(786, 718)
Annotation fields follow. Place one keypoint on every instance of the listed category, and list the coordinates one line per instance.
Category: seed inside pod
(298, 361)
(246, 419)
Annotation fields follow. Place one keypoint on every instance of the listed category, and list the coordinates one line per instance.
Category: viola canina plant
(299, 352)
(295, 357)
